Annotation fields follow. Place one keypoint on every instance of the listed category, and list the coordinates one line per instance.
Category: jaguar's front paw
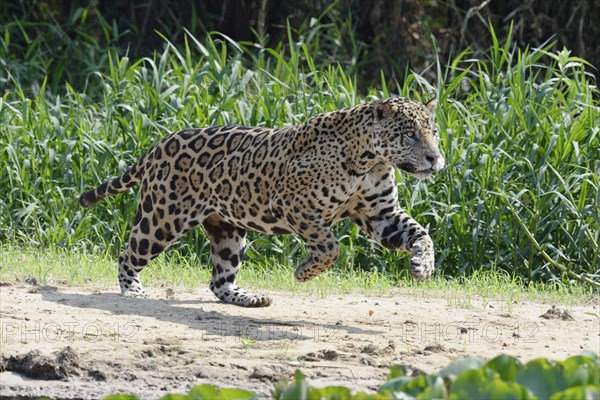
(422, 262)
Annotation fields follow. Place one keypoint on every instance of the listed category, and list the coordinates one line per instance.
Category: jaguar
(292, 180)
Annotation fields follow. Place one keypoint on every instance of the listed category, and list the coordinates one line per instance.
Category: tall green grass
(67, 52)
(519, 130)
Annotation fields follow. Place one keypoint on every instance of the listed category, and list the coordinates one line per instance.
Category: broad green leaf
(542, 377)
(397, 371)
(456, 367)
(498, 389)
(470, 383)
(374, 396)
(436, 390)
(121, 397)
(419, 384)
(592, 356)
(507, 366)
(203, 392)
(297, 390)
(485, 383)
(235, 394)
(394, 384)
(580, 370)
(583, 392)
(330, 392)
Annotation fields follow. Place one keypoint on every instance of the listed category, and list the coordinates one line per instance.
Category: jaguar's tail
(114, 186)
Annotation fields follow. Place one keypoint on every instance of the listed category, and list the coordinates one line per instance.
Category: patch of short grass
(99, 270)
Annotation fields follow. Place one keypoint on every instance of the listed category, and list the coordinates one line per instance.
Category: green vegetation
(503, 377)
(175, 269)
(520, 131)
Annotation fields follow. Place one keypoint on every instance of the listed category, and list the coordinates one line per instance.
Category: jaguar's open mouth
(424, 174)
(410, 169)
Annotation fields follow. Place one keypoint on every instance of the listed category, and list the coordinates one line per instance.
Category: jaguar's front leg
(398, 231)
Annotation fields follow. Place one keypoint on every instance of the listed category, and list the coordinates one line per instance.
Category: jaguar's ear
(431, 104)
(382, 110)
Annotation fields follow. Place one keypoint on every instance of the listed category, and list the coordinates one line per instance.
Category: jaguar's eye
(409, 134)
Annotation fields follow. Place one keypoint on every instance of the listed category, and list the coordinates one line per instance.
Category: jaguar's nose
(437, 162)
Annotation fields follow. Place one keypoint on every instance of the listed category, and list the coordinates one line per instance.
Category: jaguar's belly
(255, 220)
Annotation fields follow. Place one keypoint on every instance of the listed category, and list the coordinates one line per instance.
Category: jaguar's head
(406, 136)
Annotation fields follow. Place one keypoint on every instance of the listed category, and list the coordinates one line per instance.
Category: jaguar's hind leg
(323, 250)
(227, 248)
(129, 274)
(140, 251)
(150, 236)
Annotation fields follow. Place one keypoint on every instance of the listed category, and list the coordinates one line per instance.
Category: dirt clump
(327, 355)
(557, 313)
(63, 365)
